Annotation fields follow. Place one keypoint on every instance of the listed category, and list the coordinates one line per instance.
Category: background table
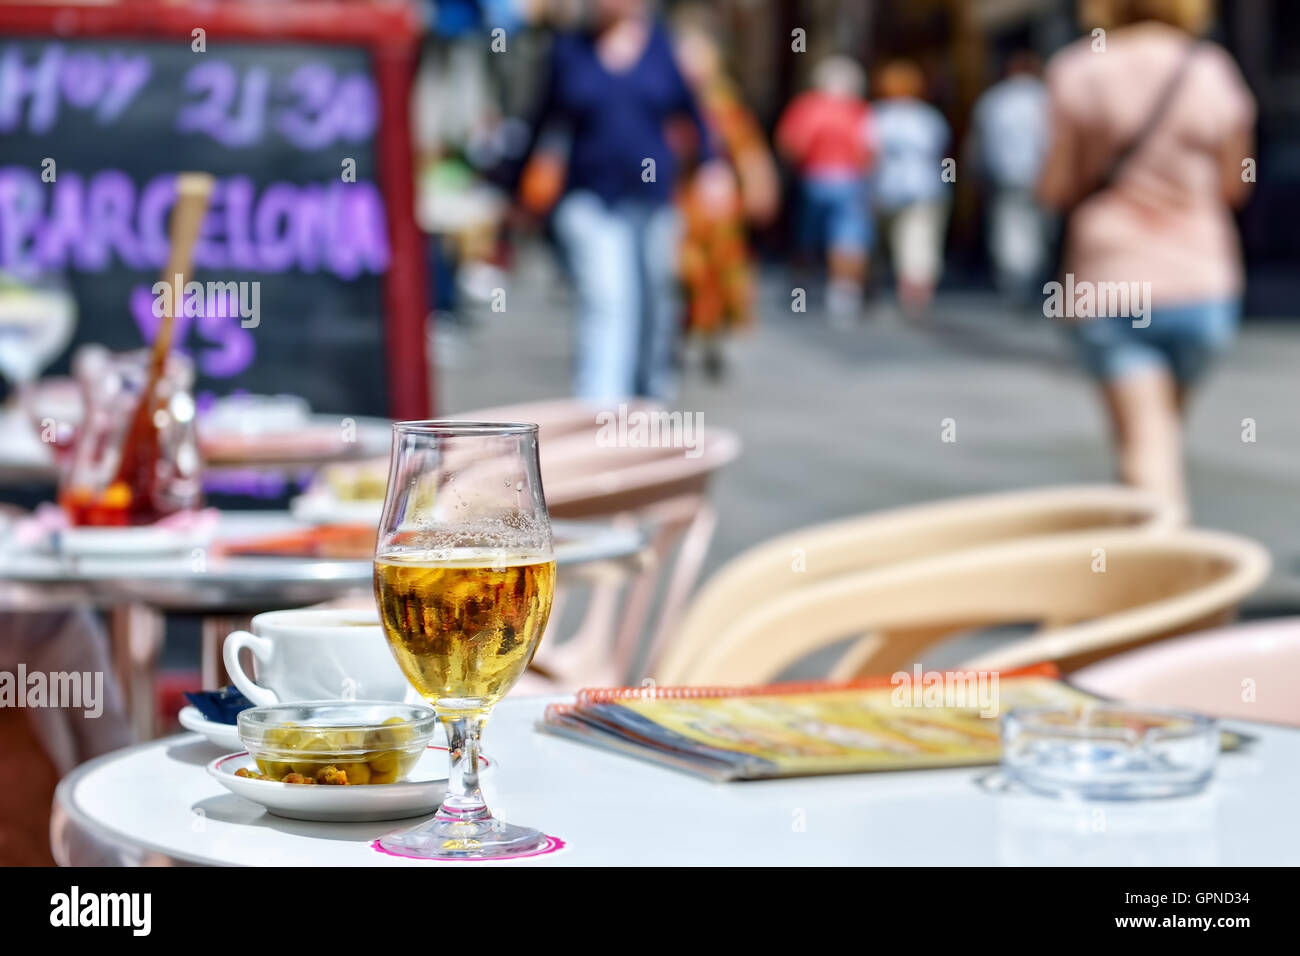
(154, 804)
(188, 582)
(137, 591)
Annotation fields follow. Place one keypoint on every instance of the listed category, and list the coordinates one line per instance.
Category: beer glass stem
(464, 800)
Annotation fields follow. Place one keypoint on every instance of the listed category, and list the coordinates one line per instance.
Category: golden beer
(463, 624)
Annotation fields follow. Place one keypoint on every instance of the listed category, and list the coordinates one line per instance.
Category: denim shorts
(834, 215)
(1182, 339)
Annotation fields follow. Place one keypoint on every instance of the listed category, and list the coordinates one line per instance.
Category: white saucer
(225, 736)
(116, 542)
(418, 795)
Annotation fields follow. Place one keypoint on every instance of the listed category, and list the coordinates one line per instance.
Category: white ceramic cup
(316, 654)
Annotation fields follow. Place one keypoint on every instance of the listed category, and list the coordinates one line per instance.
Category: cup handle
(261, 648)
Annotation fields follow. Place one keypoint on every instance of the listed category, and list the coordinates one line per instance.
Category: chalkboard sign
(305, 248)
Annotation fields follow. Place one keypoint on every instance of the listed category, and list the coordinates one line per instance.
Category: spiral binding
(608, 695)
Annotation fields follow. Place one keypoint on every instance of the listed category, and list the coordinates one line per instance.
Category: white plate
(418, 795)
(101, 542)
(225, 736)
(318, 508)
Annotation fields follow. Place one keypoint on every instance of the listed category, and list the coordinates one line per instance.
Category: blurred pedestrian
(825, 133)
(1010, 128)
(610, 93)
(1147, 148)
(911, 193)
(717, 271)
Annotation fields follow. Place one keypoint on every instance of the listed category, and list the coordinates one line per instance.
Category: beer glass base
(457, 840)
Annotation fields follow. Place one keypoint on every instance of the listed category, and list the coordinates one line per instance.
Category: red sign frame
(390, 34)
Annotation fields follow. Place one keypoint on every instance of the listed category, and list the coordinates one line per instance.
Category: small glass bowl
(1109, 751)
(365, 742)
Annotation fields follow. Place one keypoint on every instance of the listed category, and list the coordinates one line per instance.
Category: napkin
(219, 706)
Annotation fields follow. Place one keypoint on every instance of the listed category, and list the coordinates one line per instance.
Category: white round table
(154, 803)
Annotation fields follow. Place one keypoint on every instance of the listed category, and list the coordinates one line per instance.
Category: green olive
(383, 761)
(284, 737)
(320, 742)
(394, 735)
(274, 769)
(350, 739)
(358, 773)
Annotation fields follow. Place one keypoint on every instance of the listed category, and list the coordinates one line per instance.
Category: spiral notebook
(801, 729)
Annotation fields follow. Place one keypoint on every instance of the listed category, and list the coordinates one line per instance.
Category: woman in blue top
(612, 92)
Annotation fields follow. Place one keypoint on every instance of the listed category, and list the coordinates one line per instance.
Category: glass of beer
(464, 576)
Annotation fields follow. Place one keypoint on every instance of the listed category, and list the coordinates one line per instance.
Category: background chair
(1095, 592)
(670, 499)
(800, 558)
(554, 417)
(1248, 671)
(662, 490)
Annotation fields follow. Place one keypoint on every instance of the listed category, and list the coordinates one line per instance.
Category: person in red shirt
(825, 134)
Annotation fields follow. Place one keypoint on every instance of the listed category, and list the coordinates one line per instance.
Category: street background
(838, 423)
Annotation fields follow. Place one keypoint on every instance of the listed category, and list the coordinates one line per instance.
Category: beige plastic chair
(801, 558)
(1247, 671)
(1152, 586)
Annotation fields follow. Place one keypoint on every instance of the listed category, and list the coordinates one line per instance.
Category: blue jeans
(624, 264)
(1183, 339)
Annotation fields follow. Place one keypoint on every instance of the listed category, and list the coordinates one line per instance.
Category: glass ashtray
(1109, 751)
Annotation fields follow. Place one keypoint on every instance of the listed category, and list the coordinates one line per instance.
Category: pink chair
(668, 495)
(1247, 671)
(660, 489)
(554, 417)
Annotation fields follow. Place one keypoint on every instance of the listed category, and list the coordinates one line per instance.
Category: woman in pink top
(1153, 269)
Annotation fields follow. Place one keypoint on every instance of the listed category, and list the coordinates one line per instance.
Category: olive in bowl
(339, 743)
